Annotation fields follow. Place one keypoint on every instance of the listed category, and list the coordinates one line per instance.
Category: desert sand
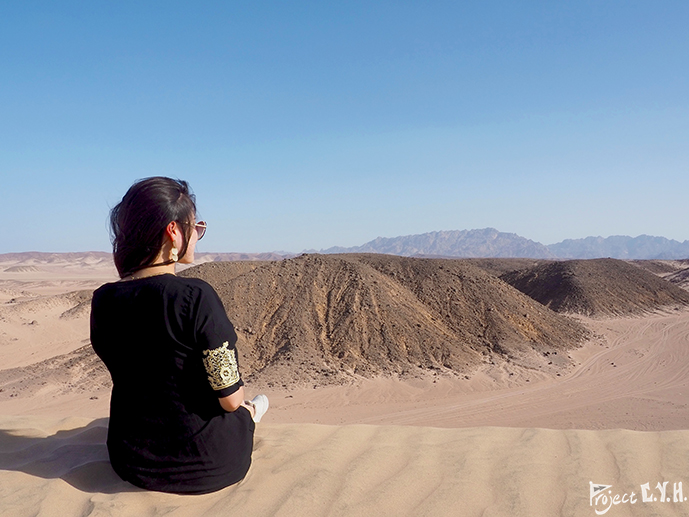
(507, 439)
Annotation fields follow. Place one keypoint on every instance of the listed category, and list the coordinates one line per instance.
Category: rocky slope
(598, 287)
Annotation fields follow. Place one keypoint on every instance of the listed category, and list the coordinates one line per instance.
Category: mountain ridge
(486, 242)
(491, 243)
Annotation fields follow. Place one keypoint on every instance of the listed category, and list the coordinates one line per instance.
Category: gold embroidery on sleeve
(221, 367)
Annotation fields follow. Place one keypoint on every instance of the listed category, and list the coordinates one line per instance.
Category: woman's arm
(232, 402)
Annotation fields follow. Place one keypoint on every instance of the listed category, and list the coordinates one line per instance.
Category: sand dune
(60, 467)
(31, 274)
(36, 328)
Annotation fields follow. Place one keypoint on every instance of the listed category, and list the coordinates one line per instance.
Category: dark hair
(138, 222)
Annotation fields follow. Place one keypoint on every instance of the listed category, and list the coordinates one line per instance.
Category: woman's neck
(152, 270)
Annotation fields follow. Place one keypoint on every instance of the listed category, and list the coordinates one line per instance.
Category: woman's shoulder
(195, 284)
(197, 296)
(164, 283)
(194, 291)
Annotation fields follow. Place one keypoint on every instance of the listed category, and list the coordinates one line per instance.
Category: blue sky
(305, 125)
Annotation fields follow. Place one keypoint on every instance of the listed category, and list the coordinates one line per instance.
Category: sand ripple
(59, 467)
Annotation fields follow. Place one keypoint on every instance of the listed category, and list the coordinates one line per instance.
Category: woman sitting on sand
(178, 419)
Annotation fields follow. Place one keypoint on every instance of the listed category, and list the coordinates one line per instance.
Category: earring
(174, 254)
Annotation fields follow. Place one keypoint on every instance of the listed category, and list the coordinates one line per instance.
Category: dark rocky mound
(674, 271)
(83, 304)
(597, 287)
(325, 316)
(500, 266)
(679, 278)
(661, 267)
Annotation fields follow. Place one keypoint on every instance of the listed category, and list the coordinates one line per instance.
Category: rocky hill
(674, 271)
(661, 268)
(323, 317)
(598, 287)
(500, 266)
(679, 278)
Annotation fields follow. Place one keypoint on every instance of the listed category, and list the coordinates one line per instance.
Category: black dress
(170, 349)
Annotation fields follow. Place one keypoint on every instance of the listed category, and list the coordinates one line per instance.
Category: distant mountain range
(483, 243)
(489, 242)
(622, 247)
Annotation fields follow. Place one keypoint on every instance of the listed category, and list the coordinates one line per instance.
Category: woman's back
(171, 353)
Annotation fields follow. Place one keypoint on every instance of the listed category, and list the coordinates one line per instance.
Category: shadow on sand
(77, 456)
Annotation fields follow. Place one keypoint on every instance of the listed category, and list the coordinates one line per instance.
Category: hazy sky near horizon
(304, 125)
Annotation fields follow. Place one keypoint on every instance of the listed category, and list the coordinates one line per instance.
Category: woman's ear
(174, 232)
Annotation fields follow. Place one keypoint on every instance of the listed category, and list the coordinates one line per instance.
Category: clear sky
(313, 124)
